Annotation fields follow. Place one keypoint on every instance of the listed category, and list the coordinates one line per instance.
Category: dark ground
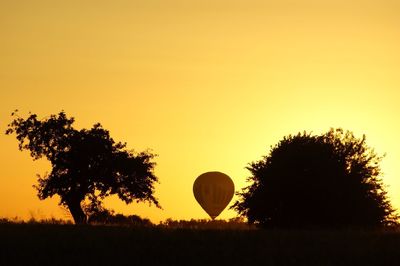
(41, 244)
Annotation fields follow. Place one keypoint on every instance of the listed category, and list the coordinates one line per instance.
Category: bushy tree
(87, 164)
(331, 180)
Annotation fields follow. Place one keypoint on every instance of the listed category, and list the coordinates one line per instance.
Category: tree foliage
(87, 164)
(331, 180)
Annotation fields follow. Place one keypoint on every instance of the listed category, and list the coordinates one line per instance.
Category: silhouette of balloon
(213, 191)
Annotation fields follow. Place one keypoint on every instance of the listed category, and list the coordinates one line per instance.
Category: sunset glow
(206, 85)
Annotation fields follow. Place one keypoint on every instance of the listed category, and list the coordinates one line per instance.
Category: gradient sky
(207, 85)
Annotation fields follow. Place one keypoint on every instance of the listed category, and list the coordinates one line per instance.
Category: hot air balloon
(213, 191)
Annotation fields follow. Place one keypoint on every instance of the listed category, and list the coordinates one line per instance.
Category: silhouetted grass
(231, 224)
(50, 244)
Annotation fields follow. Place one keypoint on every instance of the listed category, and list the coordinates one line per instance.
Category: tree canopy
(310, 181)
(87, 164)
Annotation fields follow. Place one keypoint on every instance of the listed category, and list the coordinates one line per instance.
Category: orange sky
(207, 85)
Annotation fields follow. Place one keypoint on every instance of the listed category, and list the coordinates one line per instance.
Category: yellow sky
(207, 85)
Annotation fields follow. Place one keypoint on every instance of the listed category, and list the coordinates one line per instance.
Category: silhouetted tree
(87, 164)
(317, 181)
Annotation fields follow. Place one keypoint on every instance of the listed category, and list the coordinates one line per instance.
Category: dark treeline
(306, 181)
(112, 219)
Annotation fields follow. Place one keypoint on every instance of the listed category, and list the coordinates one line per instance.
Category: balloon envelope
(213, 191)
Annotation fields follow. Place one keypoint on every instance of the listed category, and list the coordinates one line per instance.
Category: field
(46, 244)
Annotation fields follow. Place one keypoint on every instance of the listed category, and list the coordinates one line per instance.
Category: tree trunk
(77, 212)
